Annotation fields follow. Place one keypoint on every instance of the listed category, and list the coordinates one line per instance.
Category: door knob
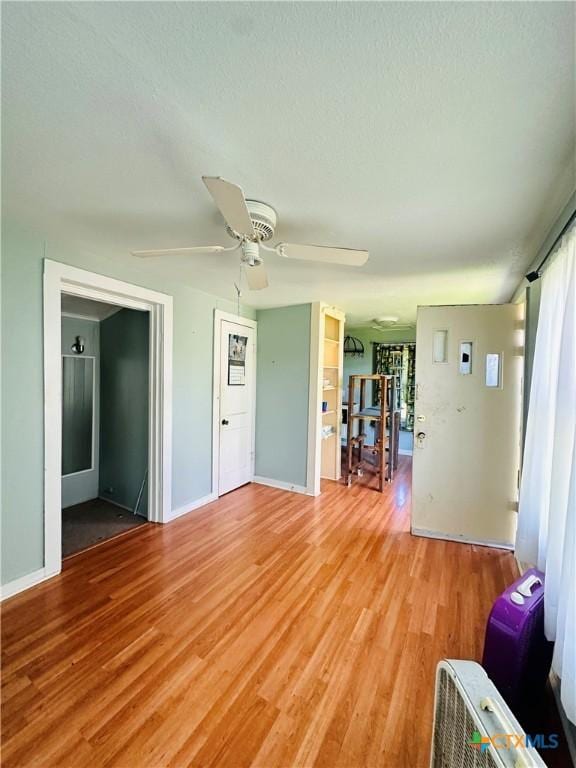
(225, 422)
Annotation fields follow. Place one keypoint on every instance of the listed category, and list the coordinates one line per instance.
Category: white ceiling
(440, 136)
(78, 306)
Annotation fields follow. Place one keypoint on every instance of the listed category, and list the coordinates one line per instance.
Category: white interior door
(236, 403)
(467, 425)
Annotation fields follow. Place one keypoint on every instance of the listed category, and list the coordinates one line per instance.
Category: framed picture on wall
(237, 360)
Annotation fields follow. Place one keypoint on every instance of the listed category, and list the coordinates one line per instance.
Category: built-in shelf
(331, 351)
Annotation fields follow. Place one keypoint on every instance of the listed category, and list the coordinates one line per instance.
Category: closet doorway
(105, 402)
(62, 279)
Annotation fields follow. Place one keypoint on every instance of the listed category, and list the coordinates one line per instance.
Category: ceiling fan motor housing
(263, 218)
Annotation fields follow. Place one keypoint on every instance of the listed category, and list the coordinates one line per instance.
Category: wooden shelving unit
(387, 424)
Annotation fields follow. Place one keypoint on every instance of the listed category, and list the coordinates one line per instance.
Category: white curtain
(546, 534)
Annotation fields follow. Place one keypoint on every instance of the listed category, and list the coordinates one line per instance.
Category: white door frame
(218, 317)
(61, 278)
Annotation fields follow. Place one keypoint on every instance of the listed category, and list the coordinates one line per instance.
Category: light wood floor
(267, 629)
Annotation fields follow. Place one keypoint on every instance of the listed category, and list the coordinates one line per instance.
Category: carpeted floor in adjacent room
(91, 522)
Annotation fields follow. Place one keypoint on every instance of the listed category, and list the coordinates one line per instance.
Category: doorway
(234, 402)
(105, 403)
(398, 360)
(63, 279)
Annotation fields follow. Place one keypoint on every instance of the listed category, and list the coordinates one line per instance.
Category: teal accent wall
(124, 387)
(78, 326)
(282, 388)
(22, 509)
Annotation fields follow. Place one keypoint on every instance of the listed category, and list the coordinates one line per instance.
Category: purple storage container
(517, 656)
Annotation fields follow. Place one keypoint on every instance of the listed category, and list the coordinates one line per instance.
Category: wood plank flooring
(267, 629)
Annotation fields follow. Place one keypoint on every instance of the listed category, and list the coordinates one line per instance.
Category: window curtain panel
(546, 533)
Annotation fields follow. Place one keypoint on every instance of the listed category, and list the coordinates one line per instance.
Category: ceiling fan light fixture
(251, 253)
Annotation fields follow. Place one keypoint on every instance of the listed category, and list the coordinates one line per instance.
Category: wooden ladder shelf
(387, 429)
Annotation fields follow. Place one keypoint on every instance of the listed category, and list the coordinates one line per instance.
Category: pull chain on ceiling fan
(252, 223)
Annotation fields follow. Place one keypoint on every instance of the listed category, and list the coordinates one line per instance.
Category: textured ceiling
(440, 136)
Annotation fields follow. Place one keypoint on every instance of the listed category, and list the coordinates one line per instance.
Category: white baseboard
(281, 484)
(190, 506)
(24, 582)
(461, 539)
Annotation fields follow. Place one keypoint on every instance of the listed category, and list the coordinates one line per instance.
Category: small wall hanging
(78, 346)
(353, 347)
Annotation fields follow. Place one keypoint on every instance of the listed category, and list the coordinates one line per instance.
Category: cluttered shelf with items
(385, 421)
(331, 350)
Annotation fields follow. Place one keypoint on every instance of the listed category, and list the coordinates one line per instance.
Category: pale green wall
(282, 386)
(124, 382)
(22, 386)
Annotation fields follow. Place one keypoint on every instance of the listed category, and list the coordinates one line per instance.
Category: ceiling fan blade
(180, 251)
(256, 277)
(347, 256)
(231, 203)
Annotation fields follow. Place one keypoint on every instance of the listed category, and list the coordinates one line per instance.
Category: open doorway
(105, 403)
(373, 350)
(63, 279)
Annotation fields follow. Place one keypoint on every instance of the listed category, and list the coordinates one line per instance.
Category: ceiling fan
(252, 223)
